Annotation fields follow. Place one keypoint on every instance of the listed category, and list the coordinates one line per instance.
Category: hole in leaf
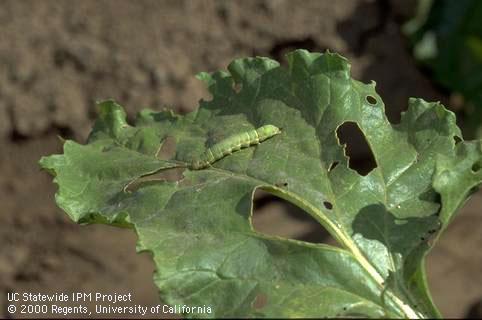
(281, 184)
(174, 174)
(457, 139)
(168, 149)
(333, 166)
(358, 151)
(436, 199)
(371, 100)
(328, 205)
(275, 216)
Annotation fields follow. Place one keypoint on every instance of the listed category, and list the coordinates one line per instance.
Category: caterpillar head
(267, 131)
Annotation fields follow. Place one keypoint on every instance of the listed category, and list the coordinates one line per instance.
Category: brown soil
(58, 57)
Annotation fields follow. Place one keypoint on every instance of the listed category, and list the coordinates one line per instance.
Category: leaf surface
(199, 229)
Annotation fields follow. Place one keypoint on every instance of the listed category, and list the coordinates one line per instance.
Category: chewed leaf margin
(199, 231)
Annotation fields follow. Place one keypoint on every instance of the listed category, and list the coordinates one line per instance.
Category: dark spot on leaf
(281, 184)
(361, 158)
(328, 205)
(260, 301)
(371, 100)
(333, 166)
(168, 148)
(476, 167)
(457, 139)
(344, 308)
(274, 216)
(422, 238)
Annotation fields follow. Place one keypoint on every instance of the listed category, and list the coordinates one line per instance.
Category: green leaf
(199, 229)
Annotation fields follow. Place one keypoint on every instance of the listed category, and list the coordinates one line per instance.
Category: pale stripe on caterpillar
(232, 144)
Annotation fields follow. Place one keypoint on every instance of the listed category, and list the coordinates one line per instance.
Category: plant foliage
(447, 38)
(199, 230)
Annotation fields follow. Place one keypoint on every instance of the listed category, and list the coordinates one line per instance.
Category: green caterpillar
(234, 143)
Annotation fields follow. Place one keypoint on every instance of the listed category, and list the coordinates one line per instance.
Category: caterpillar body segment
(234, 143)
